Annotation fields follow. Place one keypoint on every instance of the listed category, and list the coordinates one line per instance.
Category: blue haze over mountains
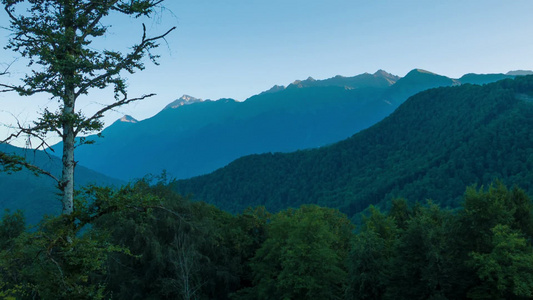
(37, 195)
(191, 137)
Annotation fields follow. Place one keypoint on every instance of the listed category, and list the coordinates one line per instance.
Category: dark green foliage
(303, 257)
(146, 242)
(432, 146)
(484, 210)
(44, 264)
(507, 270)
(371, 257)
(400, 212)
(10, 163)
(181, 250)
(480, 251)
(11, 226)
(64, 257)
(424, 262)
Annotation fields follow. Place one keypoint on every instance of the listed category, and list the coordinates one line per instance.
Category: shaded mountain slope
(197, 138)
(416, 81)
(37, 195)
(484, 78)
(432, 146)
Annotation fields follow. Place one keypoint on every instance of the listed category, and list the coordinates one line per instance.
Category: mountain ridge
(199, 137)
(433, 145)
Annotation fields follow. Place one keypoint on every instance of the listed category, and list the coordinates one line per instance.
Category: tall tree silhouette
(56, 36)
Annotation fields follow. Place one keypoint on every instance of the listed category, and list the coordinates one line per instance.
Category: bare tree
(56, 36)
(186, 279)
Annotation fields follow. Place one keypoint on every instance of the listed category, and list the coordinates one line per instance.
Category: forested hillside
(147, 242)
(432, 146)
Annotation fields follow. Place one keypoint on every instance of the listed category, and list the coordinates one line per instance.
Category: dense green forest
(290, 232)
(275, 226)
(433, 145)
(146, 242)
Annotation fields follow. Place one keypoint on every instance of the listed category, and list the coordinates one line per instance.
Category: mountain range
(433, 146)
(190, 137)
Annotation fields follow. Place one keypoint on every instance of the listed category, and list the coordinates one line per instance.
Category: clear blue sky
(238, 48)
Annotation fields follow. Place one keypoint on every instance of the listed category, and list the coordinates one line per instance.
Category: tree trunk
(69, 100)
(67, 177)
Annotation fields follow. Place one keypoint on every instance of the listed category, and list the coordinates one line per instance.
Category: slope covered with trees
(432, 146)
(147, 242)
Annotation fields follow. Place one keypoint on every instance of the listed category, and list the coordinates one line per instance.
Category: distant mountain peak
(128, 119)
(303, 83)
(297, 84)
(421, 71)
(418, 79)
(384, 74)
(418, 74)
(183, 100)
(226, 100)
(274, 89)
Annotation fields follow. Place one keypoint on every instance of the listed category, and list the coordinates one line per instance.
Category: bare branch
(158, 37)
(101, 112)
(127, 61)
(13, 160)
(40, 171)
(171, 212)
(49, 255)
(30, 131)
(21, 89)
(11, 15)
(6, 70)
(7, 88)
(96, 20)
(124, 11)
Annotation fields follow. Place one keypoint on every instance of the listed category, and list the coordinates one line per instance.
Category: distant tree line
(144, 241)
